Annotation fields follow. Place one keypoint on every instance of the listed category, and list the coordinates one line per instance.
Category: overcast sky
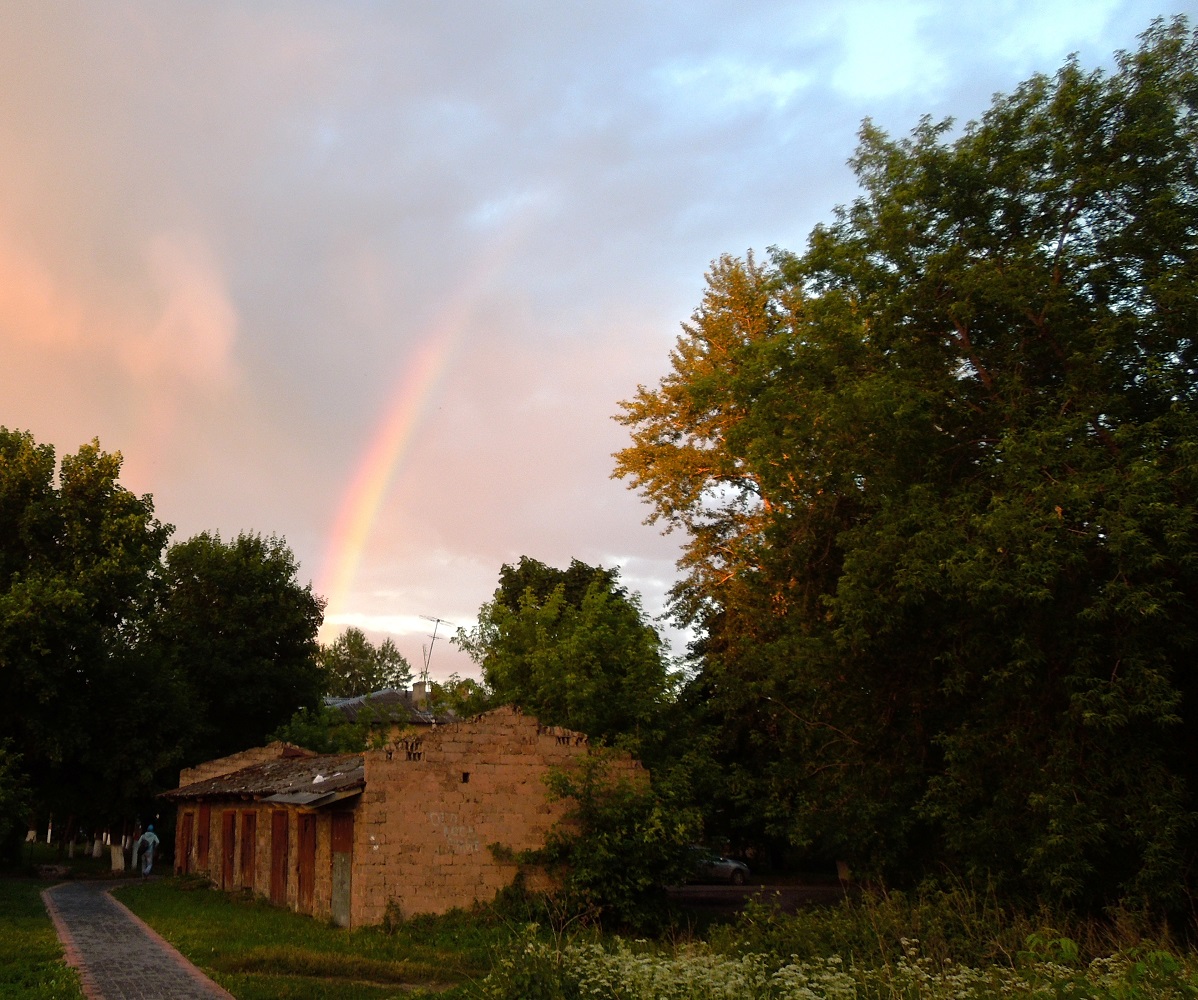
(374, 276)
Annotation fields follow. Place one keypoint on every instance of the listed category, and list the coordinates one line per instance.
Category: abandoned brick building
(410, 825)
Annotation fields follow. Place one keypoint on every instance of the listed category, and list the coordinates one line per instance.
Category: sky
(374, 277)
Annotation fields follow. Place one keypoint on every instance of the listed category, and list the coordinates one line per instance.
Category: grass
(31, 962)
(257, 951)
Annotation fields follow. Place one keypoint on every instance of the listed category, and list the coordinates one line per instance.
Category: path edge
(71, 953)
(181, 960)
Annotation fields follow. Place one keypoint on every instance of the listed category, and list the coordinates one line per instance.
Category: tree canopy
(573, 648)
(117, 666)
(353, 665)
(939, 480)
(236, 625)
(78, 559)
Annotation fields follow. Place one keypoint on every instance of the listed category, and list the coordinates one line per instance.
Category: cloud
(179, 326)
(33, 308)
(724, 84)
(884, 50)
(195, 329)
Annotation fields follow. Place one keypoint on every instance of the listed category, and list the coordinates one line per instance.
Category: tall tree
(591, 663)
(78, 558)
(353, 665)
(237, 625)
(938, 479)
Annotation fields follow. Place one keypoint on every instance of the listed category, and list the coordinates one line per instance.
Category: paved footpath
(118, 956)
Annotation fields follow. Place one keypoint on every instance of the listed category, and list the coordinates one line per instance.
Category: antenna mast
(428, 650)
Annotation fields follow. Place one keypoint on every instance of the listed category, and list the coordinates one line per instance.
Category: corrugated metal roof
(316, 780)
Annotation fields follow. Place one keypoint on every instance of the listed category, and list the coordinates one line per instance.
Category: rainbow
(392, 437)
(384, 453)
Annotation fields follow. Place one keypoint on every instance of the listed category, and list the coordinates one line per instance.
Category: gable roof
(309, 781)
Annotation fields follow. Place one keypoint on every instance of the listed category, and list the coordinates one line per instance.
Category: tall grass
(960, 925)
(933, 945)
(624, 970)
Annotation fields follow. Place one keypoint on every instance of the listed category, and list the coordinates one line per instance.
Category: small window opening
(465, 777)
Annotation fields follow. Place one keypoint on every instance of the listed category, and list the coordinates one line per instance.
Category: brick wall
(433, 806)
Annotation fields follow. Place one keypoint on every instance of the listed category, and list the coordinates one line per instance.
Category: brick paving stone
(117, 955)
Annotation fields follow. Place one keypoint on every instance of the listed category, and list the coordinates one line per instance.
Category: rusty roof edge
(188, 793)
(224, 786)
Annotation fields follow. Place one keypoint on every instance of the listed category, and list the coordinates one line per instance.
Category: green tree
(324, 729)
(938, 475)
(235, 623)
(353, 665)
(592, 663)
(78, 558)
(531, 576)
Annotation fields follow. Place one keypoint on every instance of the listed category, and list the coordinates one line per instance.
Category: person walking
(147, 844)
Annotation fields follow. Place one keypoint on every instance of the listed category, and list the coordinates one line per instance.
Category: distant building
(408, 826)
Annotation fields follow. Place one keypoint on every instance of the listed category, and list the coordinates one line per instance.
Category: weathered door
(307, 861)
(278, 857)
(228, 847)
(343, 852)
(183, 844)
(249, 848)
(203, 832)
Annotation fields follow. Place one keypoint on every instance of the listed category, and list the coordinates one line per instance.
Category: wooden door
(307, 861)
(203, 832)
(183, 844)
(228, 847)
(343, 853)
(279, 833)
(249, 848)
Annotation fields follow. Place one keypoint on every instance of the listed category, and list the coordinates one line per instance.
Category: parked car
(711, 867)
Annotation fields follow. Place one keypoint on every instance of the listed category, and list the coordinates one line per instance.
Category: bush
(621, 844)
(953, 926)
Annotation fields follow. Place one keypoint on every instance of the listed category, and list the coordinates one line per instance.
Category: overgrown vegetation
(622, 842)
(869, 949)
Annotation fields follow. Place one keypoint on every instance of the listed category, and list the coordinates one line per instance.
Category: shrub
(621, 844)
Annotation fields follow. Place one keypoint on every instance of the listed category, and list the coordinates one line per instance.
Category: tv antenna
(428, 650)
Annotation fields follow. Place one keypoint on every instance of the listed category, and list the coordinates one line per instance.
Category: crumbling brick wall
(435, 804)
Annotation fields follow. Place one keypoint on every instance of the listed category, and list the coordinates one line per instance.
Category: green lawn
(31, 962)
(257, 951)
